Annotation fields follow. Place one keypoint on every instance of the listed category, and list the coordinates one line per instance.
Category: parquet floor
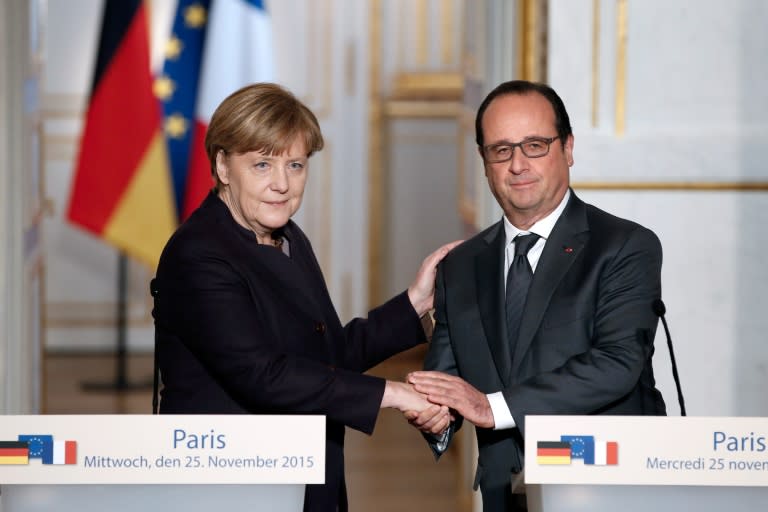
(391, 471)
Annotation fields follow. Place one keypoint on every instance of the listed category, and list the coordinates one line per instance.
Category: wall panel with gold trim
(670, 122)
(415, 92)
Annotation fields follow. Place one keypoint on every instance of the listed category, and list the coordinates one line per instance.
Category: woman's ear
(222, 170)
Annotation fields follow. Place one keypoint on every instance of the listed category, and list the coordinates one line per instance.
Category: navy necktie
(518, 281)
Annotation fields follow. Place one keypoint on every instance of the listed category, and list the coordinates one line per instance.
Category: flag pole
(120, 381)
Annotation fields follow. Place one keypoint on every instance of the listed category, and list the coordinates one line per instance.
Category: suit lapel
(489, 273)
(566, 241)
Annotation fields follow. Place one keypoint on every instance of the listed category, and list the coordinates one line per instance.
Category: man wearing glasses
(548, 311)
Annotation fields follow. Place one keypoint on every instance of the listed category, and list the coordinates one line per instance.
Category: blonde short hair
(261, 117)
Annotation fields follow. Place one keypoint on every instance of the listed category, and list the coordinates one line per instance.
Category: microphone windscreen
(658, 307)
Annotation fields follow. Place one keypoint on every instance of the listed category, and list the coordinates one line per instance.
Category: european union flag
(40, 446)
(582, 447)
(177, 87)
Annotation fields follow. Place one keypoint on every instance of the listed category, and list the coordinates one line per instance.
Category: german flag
(553, 452)
(14, 452)
(122, 186)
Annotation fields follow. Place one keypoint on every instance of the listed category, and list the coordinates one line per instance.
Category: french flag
(64, 452)
(237, 52)
(606, 453)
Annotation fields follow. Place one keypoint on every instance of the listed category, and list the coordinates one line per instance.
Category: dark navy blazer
(243, 328)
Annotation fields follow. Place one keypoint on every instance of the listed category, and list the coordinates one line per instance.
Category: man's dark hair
(522, 87)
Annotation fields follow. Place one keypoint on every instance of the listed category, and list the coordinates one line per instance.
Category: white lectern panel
(123, 463)
(162, 449)
(641, 463)
(646, 450)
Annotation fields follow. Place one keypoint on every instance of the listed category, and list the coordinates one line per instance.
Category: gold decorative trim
(63, 139)
(376, 166)
(447, 30)
(428, 85)
(350, 68)
(93, 314)
(419, 109)
(60, 148)
(521, 40)
(50, 114)
(532, 36)
(320, 39)
(595, 62)
(422, 33)
(468, 213)
(63, 106)
(401, 36)
(42, 283)
(694, 186)
(317, 216)
(347, 296)
(466, 205)
(421, 138)
(44, 202)
(75, 323)
(529, 19)
(328, 52)
(621, 66)
(407, 139)
(327, 228)
(460, 164)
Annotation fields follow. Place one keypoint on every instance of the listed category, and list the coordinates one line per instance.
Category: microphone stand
(660, 309)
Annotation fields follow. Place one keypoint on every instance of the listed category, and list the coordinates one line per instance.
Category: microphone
(153, 287)
(660, 309)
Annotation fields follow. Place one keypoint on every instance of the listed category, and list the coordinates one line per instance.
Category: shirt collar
(542, 227)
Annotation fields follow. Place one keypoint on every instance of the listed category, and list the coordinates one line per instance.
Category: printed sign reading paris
(178, 449)
(654, 450)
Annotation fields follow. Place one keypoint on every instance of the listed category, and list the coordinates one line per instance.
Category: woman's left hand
(422, 290)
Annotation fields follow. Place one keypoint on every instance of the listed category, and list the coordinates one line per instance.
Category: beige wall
(670, 130)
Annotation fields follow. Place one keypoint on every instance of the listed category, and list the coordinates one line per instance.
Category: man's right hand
(456, 393)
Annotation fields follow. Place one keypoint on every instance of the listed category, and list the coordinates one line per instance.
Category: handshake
(430, 400)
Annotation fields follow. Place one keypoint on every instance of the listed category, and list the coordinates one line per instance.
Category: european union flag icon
(40, 446)
(582, 447)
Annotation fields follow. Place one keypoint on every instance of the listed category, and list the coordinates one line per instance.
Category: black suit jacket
(585, 341)
(242, 328)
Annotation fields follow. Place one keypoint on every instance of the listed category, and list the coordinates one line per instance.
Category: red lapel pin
(569, 250)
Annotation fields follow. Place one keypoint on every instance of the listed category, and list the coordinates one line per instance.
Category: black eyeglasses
(533, 147)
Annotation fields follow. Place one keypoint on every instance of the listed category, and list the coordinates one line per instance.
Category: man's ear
(569, 150)
(480, 152)
(222, 170)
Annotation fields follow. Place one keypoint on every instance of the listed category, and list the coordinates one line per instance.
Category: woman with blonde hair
(243, 318)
